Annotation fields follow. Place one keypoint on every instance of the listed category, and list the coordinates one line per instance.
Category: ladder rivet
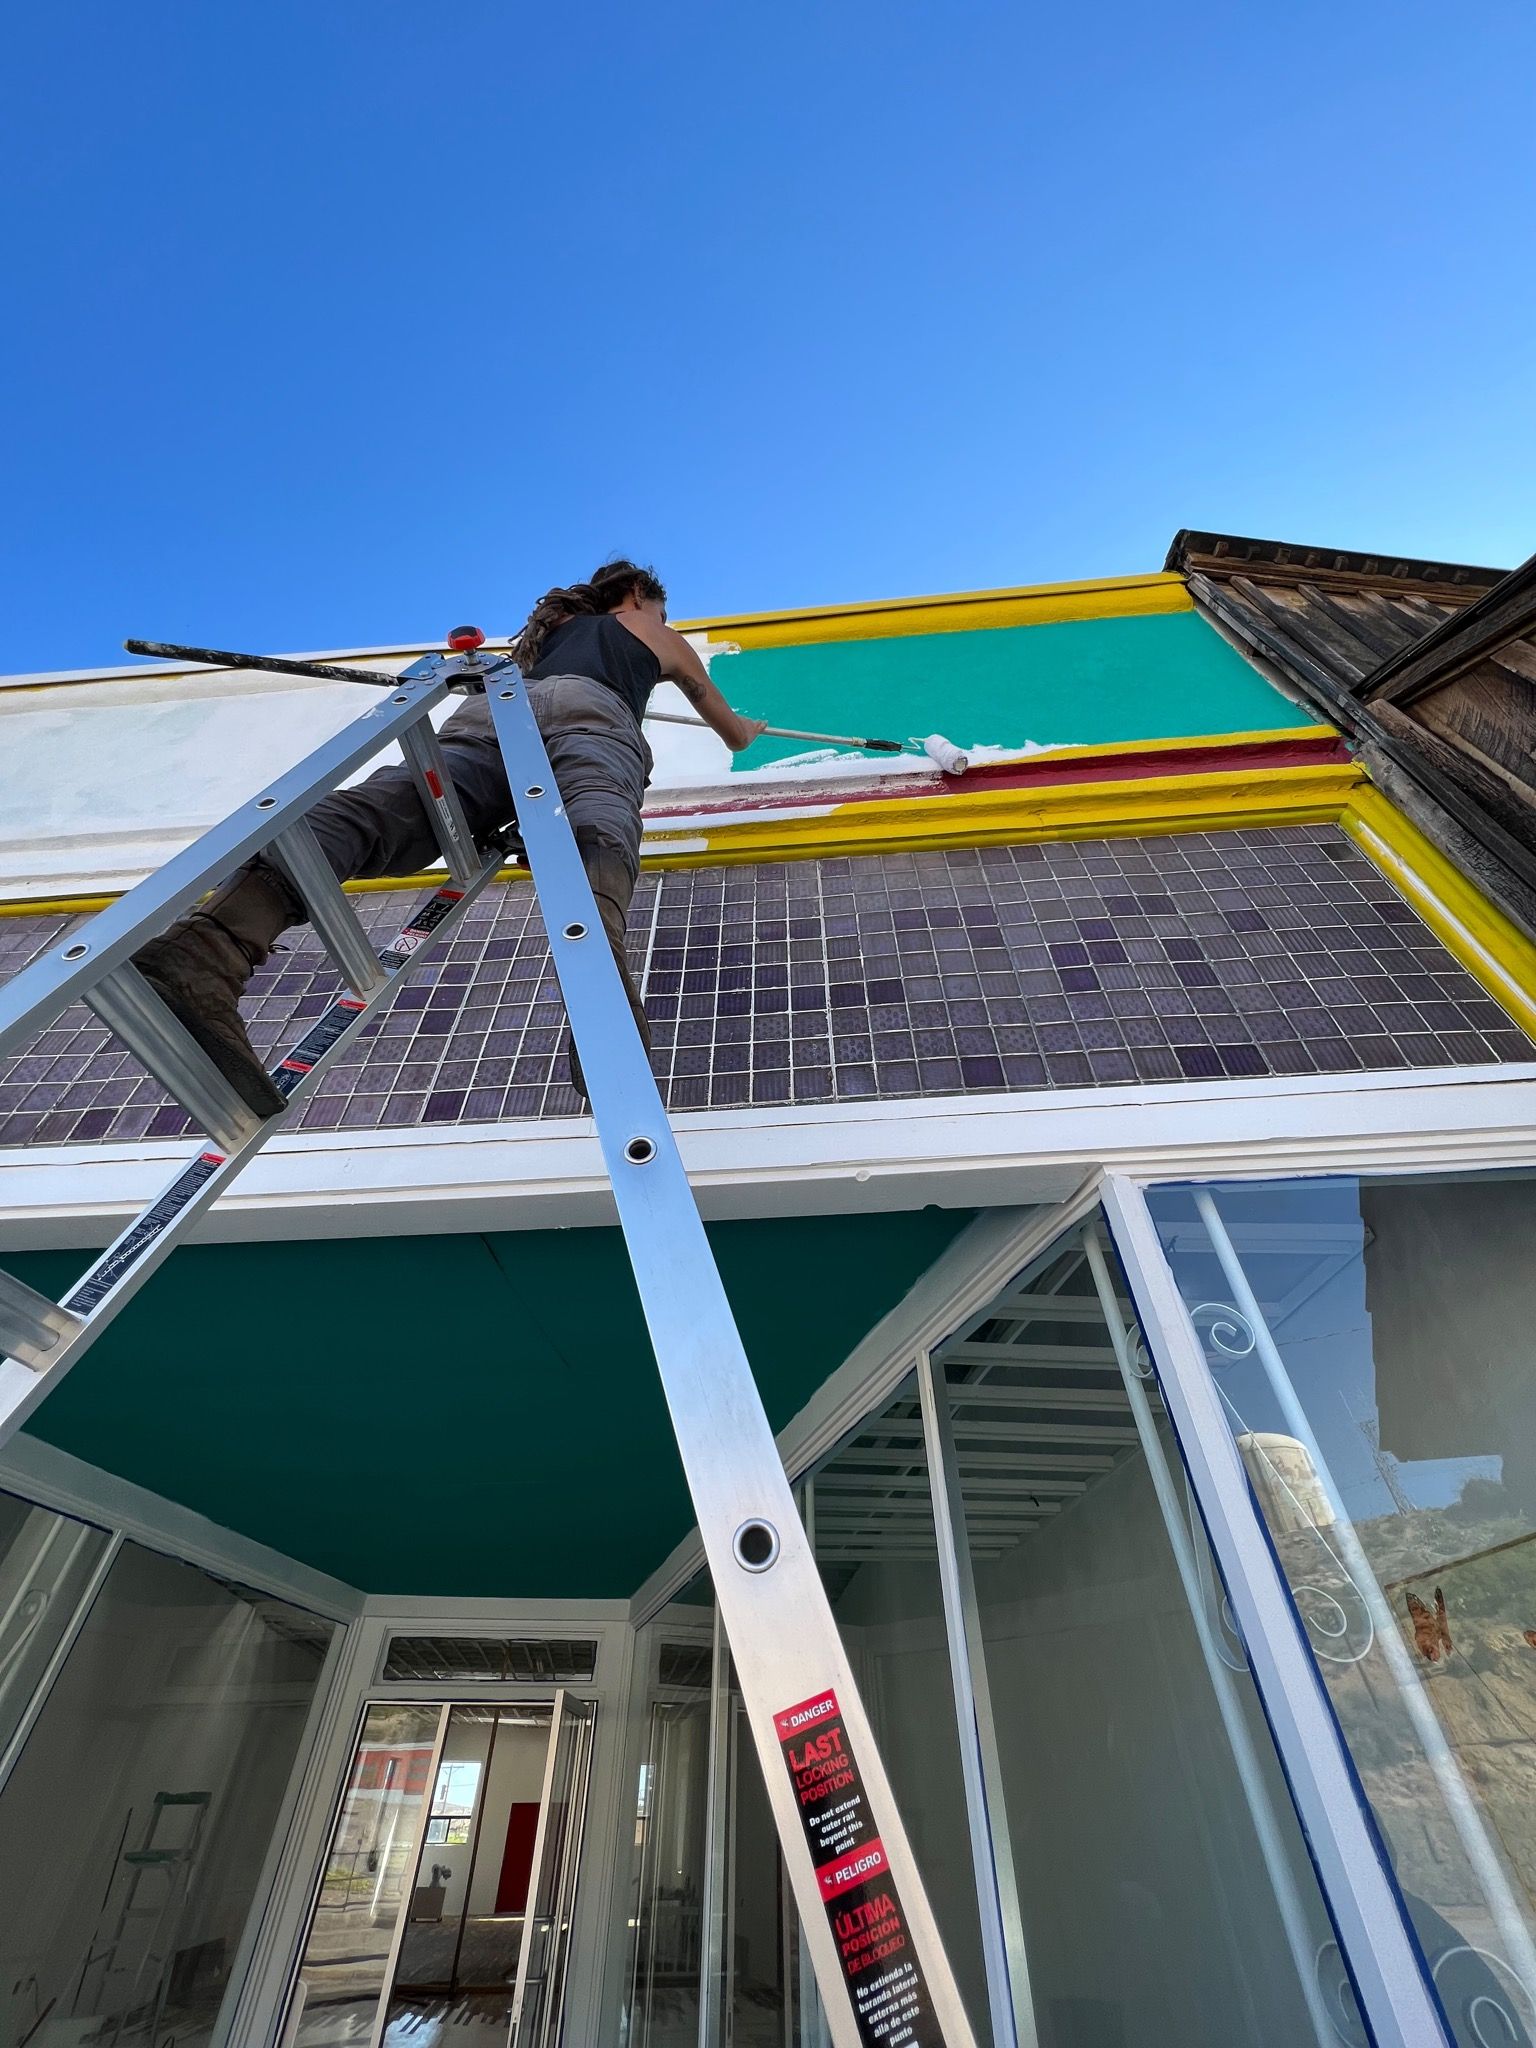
(76, 952)
(639, 1151)
(756, 1545)
(534, 789)
(575, 931)
(266, 803)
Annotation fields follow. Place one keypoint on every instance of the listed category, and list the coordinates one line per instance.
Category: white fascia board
(867, 1158)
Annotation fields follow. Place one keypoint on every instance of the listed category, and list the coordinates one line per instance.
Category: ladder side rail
(117, 1274)
(30, 1000)
(788, 1653)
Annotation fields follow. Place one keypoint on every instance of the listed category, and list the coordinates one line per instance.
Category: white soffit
(952, 1152)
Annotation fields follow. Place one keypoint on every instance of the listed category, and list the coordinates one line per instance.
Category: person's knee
(612, 866)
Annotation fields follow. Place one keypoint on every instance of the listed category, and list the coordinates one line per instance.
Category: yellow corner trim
(968, 611)
(1492, 949)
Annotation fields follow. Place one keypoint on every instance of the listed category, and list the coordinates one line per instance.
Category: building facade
(1120, 1160)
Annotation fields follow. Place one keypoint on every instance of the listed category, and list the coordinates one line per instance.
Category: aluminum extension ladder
(884, 1978)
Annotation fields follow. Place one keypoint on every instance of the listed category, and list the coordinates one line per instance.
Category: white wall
(102, 780)
(517, 1773)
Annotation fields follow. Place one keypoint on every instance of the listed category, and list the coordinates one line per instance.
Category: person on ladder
(591, 655)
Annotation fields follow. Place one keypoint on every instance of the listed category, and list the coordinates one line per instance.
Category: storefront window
(135, 1825)
(672, 1810)
(1372, 1345)
(1153, 1882)
(46, 1562)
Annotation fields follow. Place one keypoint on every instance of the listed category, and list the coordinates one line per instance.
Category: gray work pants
(596, 749)
(601, 764)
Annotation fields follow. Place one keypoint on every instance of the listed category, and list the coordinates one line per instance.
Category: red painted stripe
(434, 783)
(1036, 772)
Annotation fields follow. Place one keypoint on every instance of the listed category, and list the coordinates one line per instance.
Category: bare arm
(681, 665)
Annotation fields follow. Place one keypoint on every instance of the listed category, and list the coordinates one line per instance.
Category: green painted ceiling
(1089, 682)
(473, 1415)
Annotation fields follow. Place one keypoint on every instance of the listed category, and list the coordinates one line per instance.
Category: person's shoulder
(641, 626)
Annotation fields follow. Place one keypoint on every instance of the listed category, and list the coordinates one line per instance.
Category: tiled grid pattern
(1094, 963)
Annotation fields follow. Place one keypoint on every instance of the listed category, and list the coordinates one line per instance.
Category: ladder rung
(130, 1009)
(298, 852)
(31, 1326)
(424, 755)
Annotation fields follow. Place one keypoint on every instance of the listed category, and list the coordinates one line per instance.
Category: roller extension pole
(782, 732)
(339, 672)
(883, 1974)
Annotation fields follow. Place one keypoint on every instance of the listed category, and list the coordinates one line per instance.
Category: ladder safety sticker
(425, 921)
(892, 2007)
(127, 1252)
(325, 1032)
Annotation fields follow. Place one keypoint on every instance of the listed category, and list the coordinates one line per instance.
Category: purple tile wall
(1103, 962)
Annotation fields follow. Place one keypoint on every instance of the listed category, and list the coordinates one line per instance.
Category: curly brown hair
(604, 591)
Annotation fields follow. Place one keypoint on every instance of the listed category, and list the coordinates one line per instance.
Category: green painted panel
(1089, 683)
(474, 1415)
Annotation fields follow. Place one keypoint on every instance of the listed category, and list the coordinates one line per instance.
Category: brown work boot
(200, 967)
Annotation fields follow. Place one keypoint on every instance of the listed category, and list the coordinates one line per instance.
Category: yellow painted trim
(1499, 956)
(1149, 805)
(886, 618)
(1492, 949)
(966, 611)
(1207, 802)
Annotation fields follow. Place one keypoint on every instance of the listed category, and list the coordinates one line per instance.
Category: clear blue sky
(329, 324)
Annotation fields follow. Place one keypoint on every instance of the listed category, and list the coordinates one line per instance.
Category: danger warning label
(891, 2001)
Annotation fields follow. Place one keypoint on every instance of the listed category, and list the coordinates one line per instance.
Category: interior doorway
(449, 1883)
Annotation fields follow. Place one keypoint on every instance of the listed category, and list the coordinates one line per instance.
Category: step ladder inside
(884, 1979)
(126, 1972)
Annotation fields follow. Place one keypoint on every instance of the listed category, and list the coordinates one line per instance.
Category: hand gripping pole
(883, 1975)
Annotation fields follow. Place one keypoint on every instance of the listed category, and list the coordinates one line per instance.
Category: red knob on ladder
(465, 639)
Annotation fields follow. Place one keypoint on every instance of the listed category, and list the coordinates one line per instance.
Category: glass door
(369, 1871)
(468, 1913)
(449, 1883)
(539, 1999)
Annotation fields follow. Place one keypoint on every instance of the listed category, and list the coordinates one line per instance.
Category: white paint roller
(945, 754)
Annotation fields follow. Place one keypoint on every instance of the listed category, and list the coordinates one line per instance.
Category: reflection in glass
(1371, 1344)
(1153, 1880)
(367, 1878)
(671, 1816)
(551, 1900)
(45, 1565)
(468, 1905)
(135, 1825)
